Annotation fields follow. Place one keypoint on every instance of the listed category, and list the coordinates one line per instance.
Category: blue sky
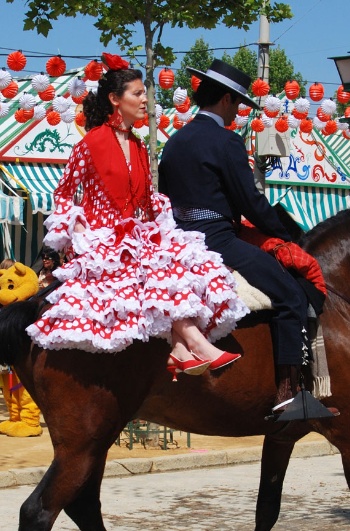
(319, 29)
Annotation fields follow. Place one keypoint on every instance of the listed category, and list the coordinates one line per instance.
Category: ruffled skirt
(132, 283)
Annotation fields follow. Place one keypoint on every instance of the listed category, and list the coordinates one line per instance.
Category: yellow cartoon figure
(17, 283)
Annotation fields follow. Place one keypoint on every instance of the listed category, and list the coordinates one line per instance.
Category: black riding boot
(288, 377)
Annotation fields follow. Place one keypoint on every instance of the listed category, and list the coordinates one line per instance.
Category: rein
(338, 294)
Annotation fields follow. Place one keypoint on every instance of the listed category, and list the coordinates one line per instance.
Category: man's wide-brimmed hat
(227, 76)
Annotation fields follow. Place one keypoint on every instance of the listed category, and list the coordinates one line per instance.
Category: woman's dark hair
(209, 93)
(96, 106)
(53, 255)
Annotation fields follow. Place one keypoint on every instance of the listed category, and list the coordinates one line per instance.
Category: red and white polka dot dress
(127, 278)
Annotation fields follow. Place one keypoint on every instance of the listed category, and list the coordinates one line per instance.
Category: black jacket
(205, 165)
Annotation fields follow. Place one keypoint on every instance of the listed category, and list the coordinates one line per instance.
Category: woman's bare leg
(194, 341)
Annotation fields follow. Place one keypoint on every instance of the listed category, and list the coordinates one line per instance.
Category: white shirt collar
(216, 117)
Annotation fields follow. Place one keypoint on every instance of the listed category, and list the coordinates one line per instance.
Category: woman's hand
(79, 227)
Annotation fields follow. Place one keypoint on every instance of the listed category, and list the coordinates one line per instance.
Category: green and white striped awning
(37, 181)
(309, 205)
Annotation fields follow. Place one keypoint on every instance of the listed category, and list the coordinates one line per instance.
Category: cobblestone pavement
(315, 497)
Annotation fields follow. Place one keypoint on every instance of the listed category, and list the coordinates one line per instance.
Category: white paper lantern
(328, 106)
(26, 101)
(272, 103)
(5, 78)
(39, 112)
(184, 116)
(293, 122)
(76, 87)
(266, 120)
(40, 82)
(318, 123)
(302, 105)
(180, 95)
(60, 104)
(241, 120)
(68, 116)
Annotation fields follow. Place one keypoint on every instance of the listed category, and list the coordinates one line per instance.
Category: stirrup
(303, 407)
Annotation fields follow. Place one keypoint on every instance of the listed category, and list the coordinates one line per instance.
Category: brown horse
(87, 399)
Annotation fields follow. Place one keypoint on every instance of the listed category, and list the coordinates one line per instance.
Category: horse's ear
(20, 268)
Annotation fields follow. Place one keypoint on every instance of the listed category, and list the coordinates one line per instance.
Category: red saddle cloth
(289, 254)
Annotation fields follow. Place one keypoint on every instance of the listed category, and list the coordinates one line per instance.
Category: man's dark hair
(209, 93)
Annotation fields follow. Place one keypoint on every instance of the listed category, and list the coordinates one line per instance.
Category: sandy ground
(16, 452)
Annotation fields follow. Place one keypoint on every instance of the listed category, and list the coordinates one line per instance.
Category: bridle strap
(338, 294)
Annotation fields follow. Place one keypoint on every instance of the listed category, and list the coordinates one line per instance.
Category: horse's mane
(319, 231)
(14, 319)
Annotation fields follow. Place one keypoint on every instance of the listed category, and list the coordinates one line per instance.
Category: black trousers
(263, 272)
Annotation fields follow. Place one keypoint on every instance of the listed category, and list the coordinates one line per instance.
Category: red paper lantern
(164, 122)
(80, 119)
(93, 70)
(346, 134)
(330, 127)
(21, 116)
(195, 82)
(322, 116)
(53, 117)
(260, 88)
(11, 90)
(56, 66)
(145, 120)
(79, 99)
(244, 112)
(177, 124)
(16, 61)
(347, 112)
(281, 124)
(306, 125)
(232, 127)
(166, 78)
(270, 114)
(342, 95)
(47, 94)
(138, 124)
(184, 107)
(257, 125)
(299, 115)
(292, 89)
(316, 92)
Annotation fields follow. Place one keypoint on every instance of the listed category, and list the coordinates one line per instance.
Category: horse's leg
(277, 450)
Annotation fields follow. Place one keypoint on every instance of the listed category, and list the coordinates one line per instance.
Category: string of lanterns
(31, 105)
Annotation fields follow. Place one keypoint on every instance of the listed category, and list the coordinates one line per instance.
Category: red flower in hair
(114, 62)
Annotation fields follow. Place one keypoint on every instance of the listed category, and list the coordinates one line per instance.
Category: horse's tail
(14, 320)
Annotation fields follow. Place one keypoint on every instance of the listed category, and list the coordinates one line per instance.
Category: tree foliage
(117, 18)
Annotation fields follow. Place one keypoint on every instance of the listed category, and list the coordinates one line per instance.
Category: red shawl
(128, 189)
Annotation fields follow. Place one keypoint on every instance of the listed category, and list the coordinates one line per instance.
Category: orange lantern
(80, 119)
(177, 124)
(260, 87)
(330, 127)
(342, 96)
(281, 124)
(299, 115)
(346, 134)
(11, 90)
(195, 82)
(47, 94)
(232, 127)
(184, 107)
(306, 125)
(138, 124)
(316, 92)
(347, 112)
(56, 66)
(53, 117)
(16, 61)
(93, 70)
(146, 120)
(270, 114)
(79, 99)
(257, 125)
(21, 116)
(292, 89)
(322, 116)
(244, 110)
(166, 78)
(164, 121)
